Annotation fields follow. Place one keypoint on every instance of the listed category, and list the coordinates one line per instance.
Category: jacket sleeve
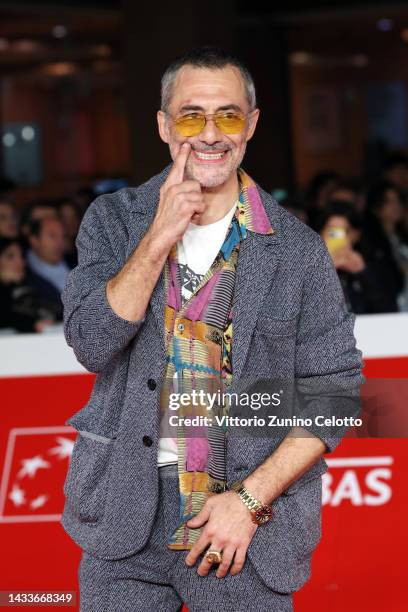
(94, 331)
(328, 366)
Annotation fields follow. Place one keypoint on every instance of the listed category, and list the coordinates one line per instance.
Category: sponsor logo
(35, 467)
(359, 481)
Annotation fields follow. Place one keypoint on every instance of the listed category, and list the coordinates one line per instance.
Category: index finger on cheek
(176, 174)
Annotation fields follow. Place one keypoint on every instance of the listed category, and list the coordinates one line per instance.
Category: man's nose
(210, 134)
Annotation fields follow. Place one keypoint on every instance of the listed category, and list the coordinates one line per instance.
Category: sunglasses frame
(212, 117)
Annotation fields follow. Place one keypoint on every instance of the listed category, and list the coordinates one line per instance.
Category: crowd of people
(364, 225)
(37, 251)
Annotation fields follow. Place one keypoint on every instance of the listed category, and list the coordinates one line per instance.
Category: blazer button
(147, 441)
(151, 383)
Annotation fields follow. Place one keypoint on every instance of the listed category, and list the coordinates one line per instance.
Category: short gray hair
(205, 57)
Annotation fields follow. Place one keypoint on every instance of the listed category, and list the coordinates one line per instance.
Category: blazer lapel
(141, 217)
(257, 264)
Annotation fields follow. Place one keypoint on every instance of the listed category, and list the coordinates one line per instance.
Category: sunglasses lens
(190, 125)
(230, 123)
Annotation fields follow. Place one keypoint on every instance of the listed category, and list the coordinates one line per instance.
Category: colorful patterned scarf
(199, 340)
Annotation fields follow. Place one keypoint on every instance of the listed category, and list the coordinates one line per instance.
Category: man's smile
(209, 157)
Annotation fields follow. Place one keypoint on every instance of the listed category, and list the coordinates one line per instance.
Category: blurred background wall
(86, 76)
(80, 88)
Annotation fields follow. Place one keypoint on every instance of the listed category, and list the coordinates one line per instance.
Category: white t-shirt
(196, 252)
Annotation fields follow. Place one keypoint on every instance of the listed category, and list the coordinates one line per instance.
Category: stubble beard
(210, 177)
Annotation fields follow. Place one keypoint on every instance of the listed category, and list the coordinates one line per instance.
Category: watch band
(248, 499)
(260, 513)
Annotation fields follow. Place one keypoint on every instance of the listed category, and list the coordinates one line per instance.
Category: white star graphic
(38, 501)
(17, 496)
(30, 466)
(64, 449)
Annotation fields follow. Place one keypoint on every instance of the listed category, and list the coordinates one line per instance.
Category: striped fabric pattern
(198, 334)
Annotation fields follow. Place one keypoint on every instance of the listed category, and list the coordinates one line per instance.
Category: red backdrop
(359, 565)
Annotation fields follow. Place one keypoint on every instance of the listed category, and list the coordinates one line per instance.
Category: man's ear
(163, 126)
(253, 120)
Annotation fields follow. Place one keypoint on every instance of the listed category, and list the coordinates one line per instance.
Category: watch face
(263, 514)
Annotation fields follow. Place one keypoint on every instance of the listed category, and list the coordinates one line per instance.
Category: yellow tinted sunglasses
(194, 123)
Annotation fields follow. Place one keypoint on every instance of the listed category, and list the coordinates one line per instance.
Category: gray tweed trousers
(157, 578)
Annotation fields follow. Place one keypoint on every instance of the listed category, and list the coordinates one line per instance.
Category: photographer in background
(340, 227)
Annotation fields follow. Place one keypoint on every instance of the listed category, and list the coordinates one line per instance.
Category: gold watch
(260, 513)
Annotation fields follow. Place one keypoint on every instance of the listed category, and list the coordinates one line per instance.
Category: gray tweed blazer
(290, 321)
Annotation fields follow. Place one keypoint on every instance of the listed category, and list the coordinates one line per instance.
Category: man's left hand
(228, 529)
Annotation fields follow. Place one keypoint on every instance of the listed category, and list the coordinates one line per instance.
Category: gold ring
(213, 556)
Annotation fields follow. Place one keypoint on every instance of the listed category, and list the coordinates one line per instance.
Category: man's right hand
(180, 201)
(129, 291)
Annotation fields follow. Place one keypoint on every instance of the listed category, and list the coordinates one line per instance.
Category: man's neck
(219, 200)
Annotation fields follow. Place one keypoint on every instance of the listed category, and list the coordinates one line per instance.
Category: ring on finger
(213, 556)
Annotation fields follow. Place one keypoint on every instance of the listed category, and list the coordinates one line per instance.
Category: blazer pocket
(86, 482)
(300, 511)
(276, 327)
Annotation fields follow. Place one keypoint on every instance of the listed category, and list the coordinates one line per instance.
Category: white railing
(42, 354)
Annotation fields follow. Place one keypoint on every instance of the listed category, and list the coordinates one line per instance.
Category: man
(35, 211)
(47, 270)
(198, 279)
